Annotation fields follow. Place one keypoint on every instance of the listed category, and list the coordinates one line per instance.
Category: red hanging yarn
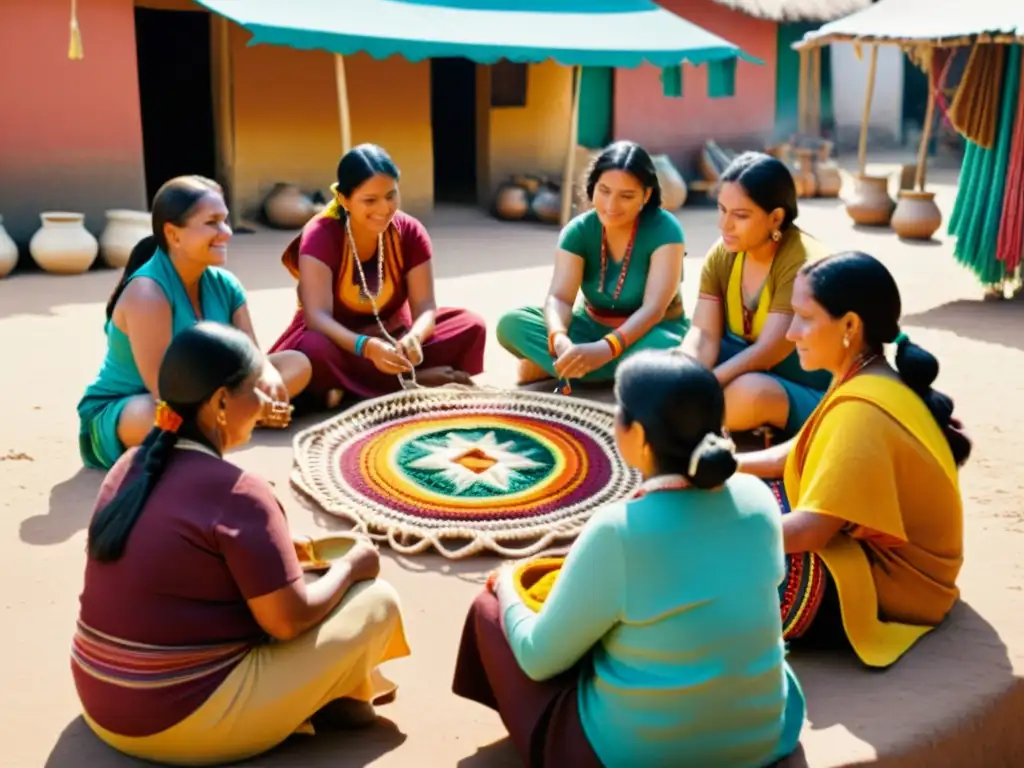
(1010, 244)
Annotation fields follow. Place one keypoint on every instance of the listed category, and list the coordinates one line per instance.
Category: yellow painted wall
(534, 138)
(287, 128)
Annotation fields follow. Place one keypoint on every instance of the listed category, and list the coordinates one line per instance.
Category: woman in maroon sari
(367, 315)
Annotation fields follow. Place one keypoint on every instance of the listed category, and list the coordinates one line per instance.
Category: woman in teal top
(625, 256)
(660, 642)
(173, 280)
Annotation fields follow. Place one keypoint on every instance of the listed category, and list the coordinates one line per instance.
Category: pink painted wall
(70, 131)
(679, 126)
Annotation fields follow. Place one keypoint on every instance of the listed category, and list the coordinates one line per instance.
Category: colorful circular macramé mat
(512, 472)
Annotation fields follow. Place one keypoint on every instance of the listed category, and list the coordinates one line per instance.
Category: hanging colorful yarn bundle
(1010, 247)
(75, 52)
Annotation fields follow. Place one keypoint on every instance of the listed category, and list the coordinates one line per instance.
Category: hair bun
(710, 443)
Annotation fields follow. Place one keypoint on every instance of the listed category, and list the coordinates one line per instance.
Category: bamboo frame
(959, 41)
(225, 100)
(569, 171)
(929, 121)
(865, 118)
(803, 118)
(344, 113)
(814, 98)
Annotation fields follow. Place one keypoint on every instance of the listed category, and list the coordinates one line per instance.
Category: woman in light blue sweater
(660, 643)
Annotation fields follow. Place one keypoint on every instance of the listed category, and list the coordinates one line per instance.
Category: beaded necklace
(625, 260)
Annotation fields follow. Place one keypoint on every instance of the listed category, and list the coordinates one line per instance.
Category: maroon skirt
(542, 718)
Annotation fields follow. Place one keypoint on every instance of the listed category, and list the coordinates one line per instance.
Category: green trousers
(524, 333)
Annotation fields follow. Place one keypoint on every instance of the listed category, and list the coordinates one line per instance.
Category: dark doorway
(453, 120)
(176, 94)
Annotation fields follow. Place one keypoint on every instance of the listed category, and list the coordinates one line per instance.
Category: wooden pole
(344, 115)
(814, 129)
(801, 109)
(568, 187)
(865, 118)
(929, 119)
(226, 113)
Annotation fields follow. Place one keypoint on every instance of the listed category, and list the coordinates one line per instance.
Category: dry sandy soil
(51, 337)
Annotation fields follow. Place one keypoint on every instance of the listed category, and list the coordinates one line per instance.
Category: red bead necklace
(625, 260)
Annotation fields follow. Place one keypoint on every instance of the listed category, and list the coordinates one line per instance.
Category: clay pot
(806, 181)
(123, 232)
(870, 204)
(825, 151)
(512, 203)
(673, 187)
(916, 217)
(8, 251)
(63, 245)
(285, 207)
(546, 205)
(829, 180)
(527, 181)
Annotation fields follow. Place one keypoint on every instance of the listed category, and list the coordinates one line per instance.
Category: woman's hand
(363, 560)
(276, 414)
(411, 348)
(386, 358)
(580, 359)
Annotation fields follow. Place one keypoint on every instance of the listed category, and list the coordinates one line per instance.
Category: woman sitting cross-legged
(872, 477)
(367, 313)
(616, 284)
(173, 279)
(744, 309)
(660, 642)
(198, 640)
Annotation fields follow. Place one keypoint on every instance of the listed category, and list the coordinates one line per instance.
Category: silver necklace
(372, 297)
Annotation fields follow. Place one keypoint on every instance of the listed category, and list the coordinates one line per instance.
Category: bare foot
(441, 375)
(333, 399)
(529, 372)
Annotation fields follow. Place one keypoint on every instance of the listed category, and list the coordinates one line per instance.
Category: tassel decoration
(75, 52)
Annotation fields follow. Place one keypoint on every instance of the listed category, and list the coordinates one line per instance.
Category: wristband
(551, 341)
(617, 342)
(361, 344)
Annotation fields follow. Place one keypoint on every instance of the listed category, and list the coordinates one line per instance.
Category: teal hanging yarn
(978, 211)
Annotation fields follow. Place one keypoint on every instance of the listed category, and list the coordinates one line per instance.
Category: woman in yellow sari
(872, 475)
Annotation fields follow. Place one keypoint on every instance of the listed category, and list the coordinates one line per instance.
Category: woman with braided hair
(367, 314)
(872, 477)
(199, 640)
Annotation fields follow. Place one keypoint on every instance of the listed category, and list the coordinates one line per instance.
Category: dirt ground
(51, 339)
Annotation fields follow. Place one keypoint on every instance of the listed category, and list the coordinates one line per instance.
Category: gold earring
(776, 236)
(846, 342)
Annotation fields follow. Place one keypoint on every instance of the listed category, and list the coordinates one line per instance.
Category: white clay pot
(63, 246)
(8, 252)
(123, 232)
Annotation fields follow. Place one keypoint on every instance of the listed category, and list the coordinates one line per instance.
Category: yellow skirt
(277, 687)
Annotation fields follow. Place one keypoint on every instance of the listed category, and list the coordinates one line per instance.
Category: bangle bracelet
(551, 341)
(361, 344)
(617, 342)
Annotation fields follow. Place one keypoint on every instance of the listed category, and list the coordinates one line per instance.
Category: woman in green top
(173, 280)
(660, 642)
(744, 307)
(626, 258)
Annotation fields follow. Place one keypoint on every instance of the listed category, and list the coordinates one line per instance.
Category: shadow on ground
(992, 322)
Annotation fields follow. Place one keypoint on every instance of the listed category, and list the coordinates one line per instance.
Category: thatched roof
(796, 10)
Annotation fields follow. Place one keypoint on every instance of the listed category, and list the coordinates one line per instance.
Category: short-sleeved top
(220, 294)
(406, 246)
(721, 279)
(210, 537)
(583, 237)
(672, 602)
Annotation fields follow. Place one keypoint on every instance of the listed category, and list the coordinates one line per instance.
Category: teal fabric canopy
(924, 20)
(595, 33)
